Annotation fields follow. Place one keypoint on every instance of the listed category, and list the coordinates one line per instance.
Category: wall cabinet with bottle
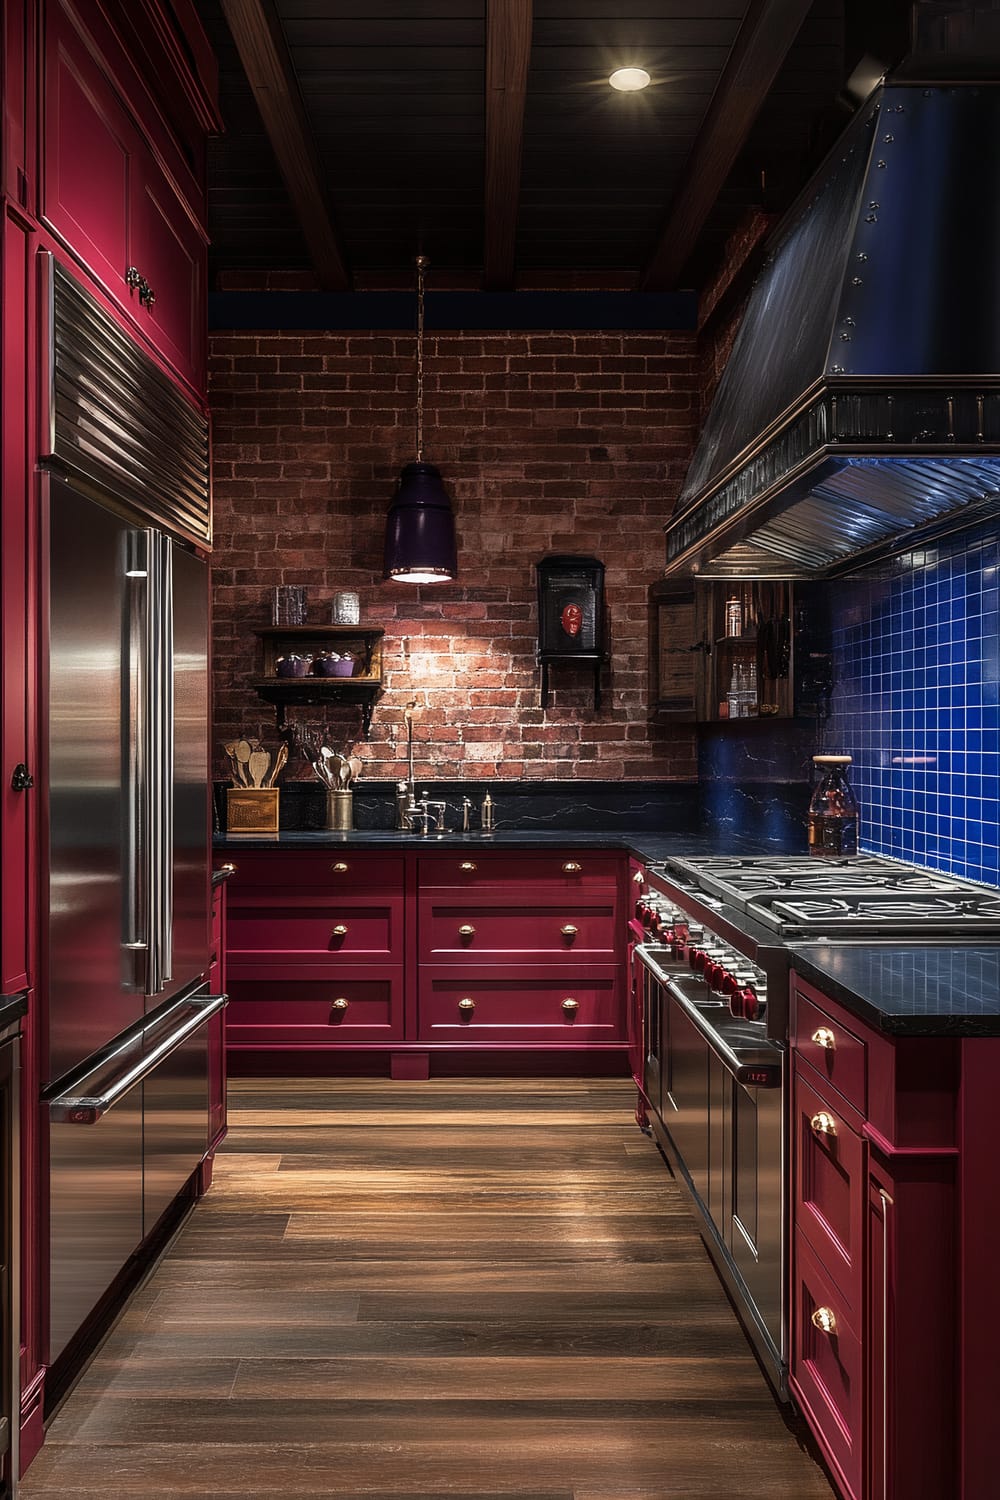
(722, 650)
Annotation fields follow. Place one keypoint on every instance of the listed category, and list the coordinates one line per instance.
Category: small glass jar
(346, 609)
(833, 809)
(288, 604)
(292, 665)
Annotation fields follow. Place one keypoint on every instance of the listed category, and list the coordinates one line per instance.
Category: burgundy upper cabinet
(119, 194)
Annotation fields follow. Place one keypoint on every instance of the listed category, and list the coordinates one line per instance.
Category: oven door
(720, 1125)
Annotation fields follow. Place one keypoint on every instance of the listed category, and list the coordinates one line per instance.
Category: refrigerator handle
(154, 812)
(167, 845)
(135, 725)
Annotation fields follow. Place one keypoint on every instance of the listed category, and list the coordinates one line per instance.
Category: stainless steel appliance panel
(175, 1131)
(93, 990)
(755, 1234)
(688, 1125)
(191, 897)
(95, 1208)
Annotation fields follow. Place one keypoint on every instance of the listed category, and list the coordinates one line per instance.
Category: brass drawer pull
(824, 1037)
(230, 867)
(468, 865)
(823, 1124)
(823, 1319)
(340, 930)
(571, 1007)
(569, 931)
(467, 1006)
(340, 868)
(571, 867)
(466, 931)
(639, 877)
(339, 1006)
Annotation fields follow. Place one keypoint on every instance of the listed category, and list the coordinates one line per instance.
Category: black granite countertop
(936, 990)
(646, 846)
(12, 1007)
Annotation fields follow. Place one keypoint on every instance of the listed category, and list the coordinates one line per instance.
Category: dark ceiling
(404, 123)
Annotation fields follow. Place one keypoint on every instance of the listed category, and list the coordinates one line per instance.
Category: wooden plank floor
(461, 1288)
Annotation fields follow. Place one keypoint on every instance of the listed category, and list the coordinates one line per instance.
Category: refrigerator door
(95, 978)
(188, 789)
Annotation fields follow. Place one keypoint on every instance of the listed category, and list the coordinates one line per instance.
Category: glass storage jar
(833, 809)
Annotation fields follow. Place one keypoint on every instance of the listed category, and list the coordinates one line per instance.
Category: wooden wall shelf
(362, 687)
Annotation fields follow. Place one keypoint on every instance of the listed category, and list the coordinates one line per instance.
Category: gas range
(864, 897)
(731, 918)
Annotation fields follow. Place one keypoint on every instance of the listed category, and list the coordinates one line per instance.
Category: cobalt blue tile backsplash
(916, 672)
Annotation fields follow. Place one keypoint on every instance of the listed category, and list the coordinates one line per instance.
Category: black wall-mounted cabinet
(572, 623)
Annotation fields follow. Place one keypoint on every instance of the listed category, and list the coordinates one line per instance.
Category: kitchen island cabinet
(423, 955)
(893, 1290)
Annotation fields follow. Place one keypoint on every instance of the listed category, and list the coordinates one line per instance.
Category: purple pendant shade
(420, 529)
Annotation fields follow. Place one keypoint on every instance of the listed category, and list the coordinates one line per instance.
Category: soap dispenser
(486, 814)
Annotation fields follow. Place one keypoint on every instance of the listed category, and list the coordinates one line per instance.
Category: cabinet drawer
(837, 1054)
(328, 872)
(518, 1007)
(469, 929)
(829, 1185)
(279, 1011)
(568, 871)
(826, 1366)
(301, 928)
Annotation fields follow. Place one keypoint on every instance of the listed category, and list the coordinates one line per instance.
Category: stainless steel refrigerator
(129, 924)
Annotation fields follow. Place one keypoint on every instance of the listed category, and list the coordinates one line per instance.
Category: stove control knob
(697, 958)
(730, 985)
(713, 974)
(751, 1006)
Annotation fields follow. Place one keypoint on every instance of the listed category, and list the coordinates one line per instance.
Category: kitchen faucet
(407, 809)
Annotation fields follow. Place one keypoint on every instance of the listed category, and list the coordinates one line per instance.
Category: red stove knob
(714, 975)
(698, 958)
(751, 1005)
(730, 985)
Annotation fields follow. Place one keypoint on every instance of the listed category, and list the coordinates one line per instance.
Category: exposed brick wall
(553, 442)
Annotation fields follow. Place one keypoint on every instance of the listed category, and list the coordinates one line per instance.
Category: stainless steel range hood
(861, 403)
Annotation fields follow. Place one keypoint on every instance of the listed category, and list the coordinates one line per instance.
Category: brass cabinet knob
(571, 867)
(468, 865)
(340, 1005)
(569, 931)
(823, 1319)
(340, 930)
(824, 1037)
(340, 868)
(466, 931)
(571, 1007)
(639, 877)
(823, 1124)
(467, 1006)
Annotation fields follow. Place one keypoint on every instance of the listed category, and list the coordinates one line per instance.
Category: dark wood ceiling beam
(508, 51)
(263, 52)
(764, 39)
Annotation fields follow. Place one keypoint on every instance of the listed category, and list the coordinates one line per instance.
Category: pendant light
(420, 527)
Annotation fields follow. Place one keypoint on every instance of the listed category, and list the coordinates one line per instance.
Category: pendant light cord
(421, 269)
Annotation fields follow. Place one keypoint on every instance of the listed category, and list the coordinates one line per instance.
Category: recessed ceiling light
(628, 80)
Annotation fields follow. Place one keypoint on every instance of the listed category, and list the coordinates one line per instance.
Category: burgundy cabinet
(89, 146)
(875, 1341)
(315, 948)
(106, 194)
(493, 950)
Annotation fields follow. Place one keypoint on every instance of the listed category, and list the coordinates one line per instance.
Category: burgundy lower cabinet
(515, 1005)
(413, 953)
(876, 1339)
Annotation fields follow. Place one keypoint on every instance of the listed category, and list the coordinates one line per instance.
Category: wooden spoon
(259, 765)
(243, 753)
